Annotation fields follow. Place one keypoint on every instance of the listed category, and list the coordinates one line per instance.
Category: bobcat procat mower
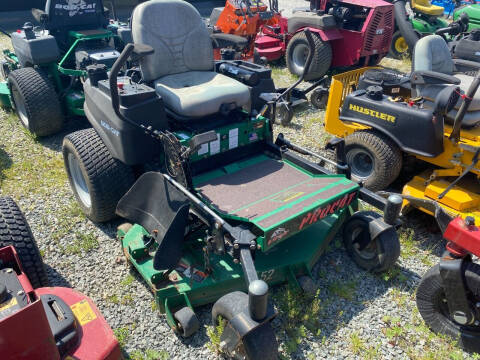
(227, 211)
(448, 296)
(42, 77)
(432, 115)
(37, 321)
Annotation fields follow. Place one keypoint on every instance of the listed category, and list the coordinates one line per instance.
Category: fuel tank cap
(375, 92)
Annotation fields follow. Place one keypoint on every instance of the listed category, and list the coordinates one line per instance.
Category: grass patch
(84, 242)
(300, 314)
(67, 219)
(215, 333)
(113, 299)
(149, 354)
(122, 334)
(359, 348)
(345, 290)
(128, 280)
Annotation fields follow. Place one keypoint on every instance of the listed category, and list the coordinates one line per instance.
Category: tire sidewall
(12, 84)
(431, 284)
(350, 226)
(319, 99)
(294, 42)
(69, 148)
(393, 52)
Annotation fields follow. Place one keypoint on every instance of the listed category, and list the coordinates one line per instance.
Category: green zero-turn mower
(422, 19)
(226, 210)
(43, 75)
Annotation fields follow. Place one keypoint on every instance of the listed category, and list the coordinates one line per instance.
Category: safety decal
(83, 312)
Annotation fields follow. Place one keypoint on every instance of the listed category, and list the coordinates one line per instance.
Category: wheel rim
(369, 252)
(78, 181)
(442, 305)
(401, 45)
(361, 163)
(20, 106)
(299, 57)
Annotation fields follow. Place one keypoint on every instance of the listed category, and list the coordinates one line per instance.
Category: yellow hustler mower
(431, 114)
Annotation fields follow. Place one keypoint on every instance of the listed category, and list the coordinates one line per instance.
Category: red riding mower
(242, 20)
(448, 296)
(39, 322)
(347, 33)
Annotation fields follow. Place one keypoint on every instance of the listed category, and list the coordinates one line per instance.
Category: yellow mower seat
(425, 7)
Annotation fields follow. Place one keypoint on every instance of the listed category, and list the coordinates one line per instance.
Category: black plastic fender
(398, 121)
(376, 225)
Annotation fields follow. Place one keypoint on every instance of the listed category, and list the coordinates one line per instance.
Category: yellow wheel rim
(401, 45)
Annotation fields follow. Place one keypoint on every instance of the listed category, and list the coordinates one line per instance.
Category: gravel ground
(356, 315)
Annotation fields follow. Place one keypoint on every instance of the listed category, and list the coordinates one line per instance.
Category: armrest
(465, 65)
(39, 15)
(424, 77)
(221, 40)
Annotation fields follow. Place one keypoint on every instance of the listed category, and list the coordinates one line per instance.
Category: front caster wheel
(258, 344)
(319, 98)
(187, 322)
(433, 307)
(375, 255)
(283, 114)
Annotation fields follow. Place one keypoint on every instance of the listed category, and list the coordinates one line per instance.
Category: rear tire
(432, 306)
(96, 178)
(14, 231)
(398, 47)
(35, 101)
(373, 158)
(296, 56)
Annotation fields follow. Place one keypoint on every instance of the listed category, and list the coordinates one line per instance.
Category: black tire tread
(428, 291)
(109, 178)
(15, 231)
(41, 101)
(321, 60)
(388, 157)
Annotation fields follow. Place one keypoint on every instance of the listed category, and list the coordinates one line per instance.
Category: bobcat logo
(76, 7)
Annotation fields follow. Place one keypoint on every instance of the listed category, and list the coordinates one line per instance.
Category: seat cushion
(200, 93)
(425, 7)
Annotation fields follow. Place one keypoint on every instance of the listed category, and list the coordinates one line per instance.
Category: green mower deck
(297, 212)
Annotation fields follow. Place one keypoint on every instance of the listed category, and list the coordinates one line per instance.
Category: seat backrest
(64, 15)
(431, 53)
(178, 35)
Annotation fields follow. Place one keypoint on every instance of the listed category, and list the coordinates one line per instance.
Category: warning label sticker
(83, 312)
(8, 304)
